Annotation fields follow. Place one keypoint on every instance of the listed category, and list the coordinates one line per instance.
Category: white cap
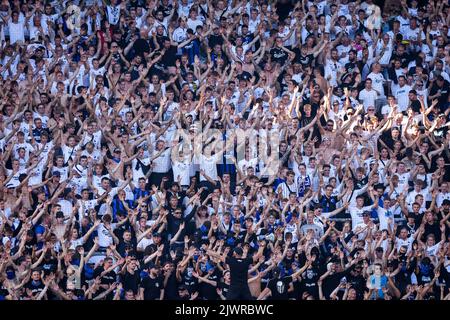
(5, 240)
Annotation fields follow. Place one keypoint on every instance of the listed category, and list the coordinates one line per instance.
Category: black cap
(238, 251)
(150, 266)
(156, 234)
(366, 213)
(446, 202)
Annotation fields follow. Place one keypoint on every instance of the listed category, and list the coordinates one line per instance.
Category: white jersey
(357, 215)
(104, 237)
(181, 169)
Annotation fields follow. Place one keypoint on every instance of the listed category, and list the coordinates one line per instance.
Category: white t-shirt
(69, 152)
(209, 165)
(403, 179)
(86, 205)
(16, 31)
(14, 182)
(408, 243)
(138, 173)
(245, 164)
(357, 215)
(181, 168)
(433, 250)
(384, 215)
(43, 156)
(386, 57)
(64, 171)
(193, 24)
(377, 82)
(402, 96)
(104, 237)
(441, 197)
(163, 162)
(95, 155)
(368, 98)
(36, 175)
(286, 188)
(95, 138)
(113, 13)
(76, 243)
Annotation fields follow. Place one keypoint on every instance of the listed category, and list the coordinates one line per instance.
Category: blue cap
(209, 266)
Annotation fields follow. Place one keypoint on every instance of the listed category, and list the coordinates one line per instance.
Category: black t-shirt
(350, 67)
(404, 58)
(49, 265)
(310, 277)
(244, 76)
(131, 281)
(417, 220)
(213, 40)
(108, 278)
(415, 105)
(278, 55)
(279, 288)
(328, 204)
(239, 270)
(284, 8)
(119, 231)
(189, 282)
(169, 57)
(165, 9)
(125, 248)
(306, 60)
(208, 291)
(140, 46)
(358, 282)
(224, 287)
(35, 287)
(29, 246)
(170, 290)
(152, 287)
(331, 282)
(359, 184)
(433, 229)
(442, 99)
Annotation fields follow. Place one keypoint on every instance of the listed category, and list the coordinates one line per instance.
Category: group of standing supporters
(215, 149)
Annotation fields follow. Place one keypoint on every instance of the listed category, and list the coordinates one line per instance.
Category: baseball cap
(5, 240)
(56, 173)
(238, 251)
(209, 266)
(446, 202)
(150, 266)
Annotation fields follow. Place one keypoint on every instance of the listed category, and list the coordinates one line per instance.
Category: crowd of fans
(142, 142)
